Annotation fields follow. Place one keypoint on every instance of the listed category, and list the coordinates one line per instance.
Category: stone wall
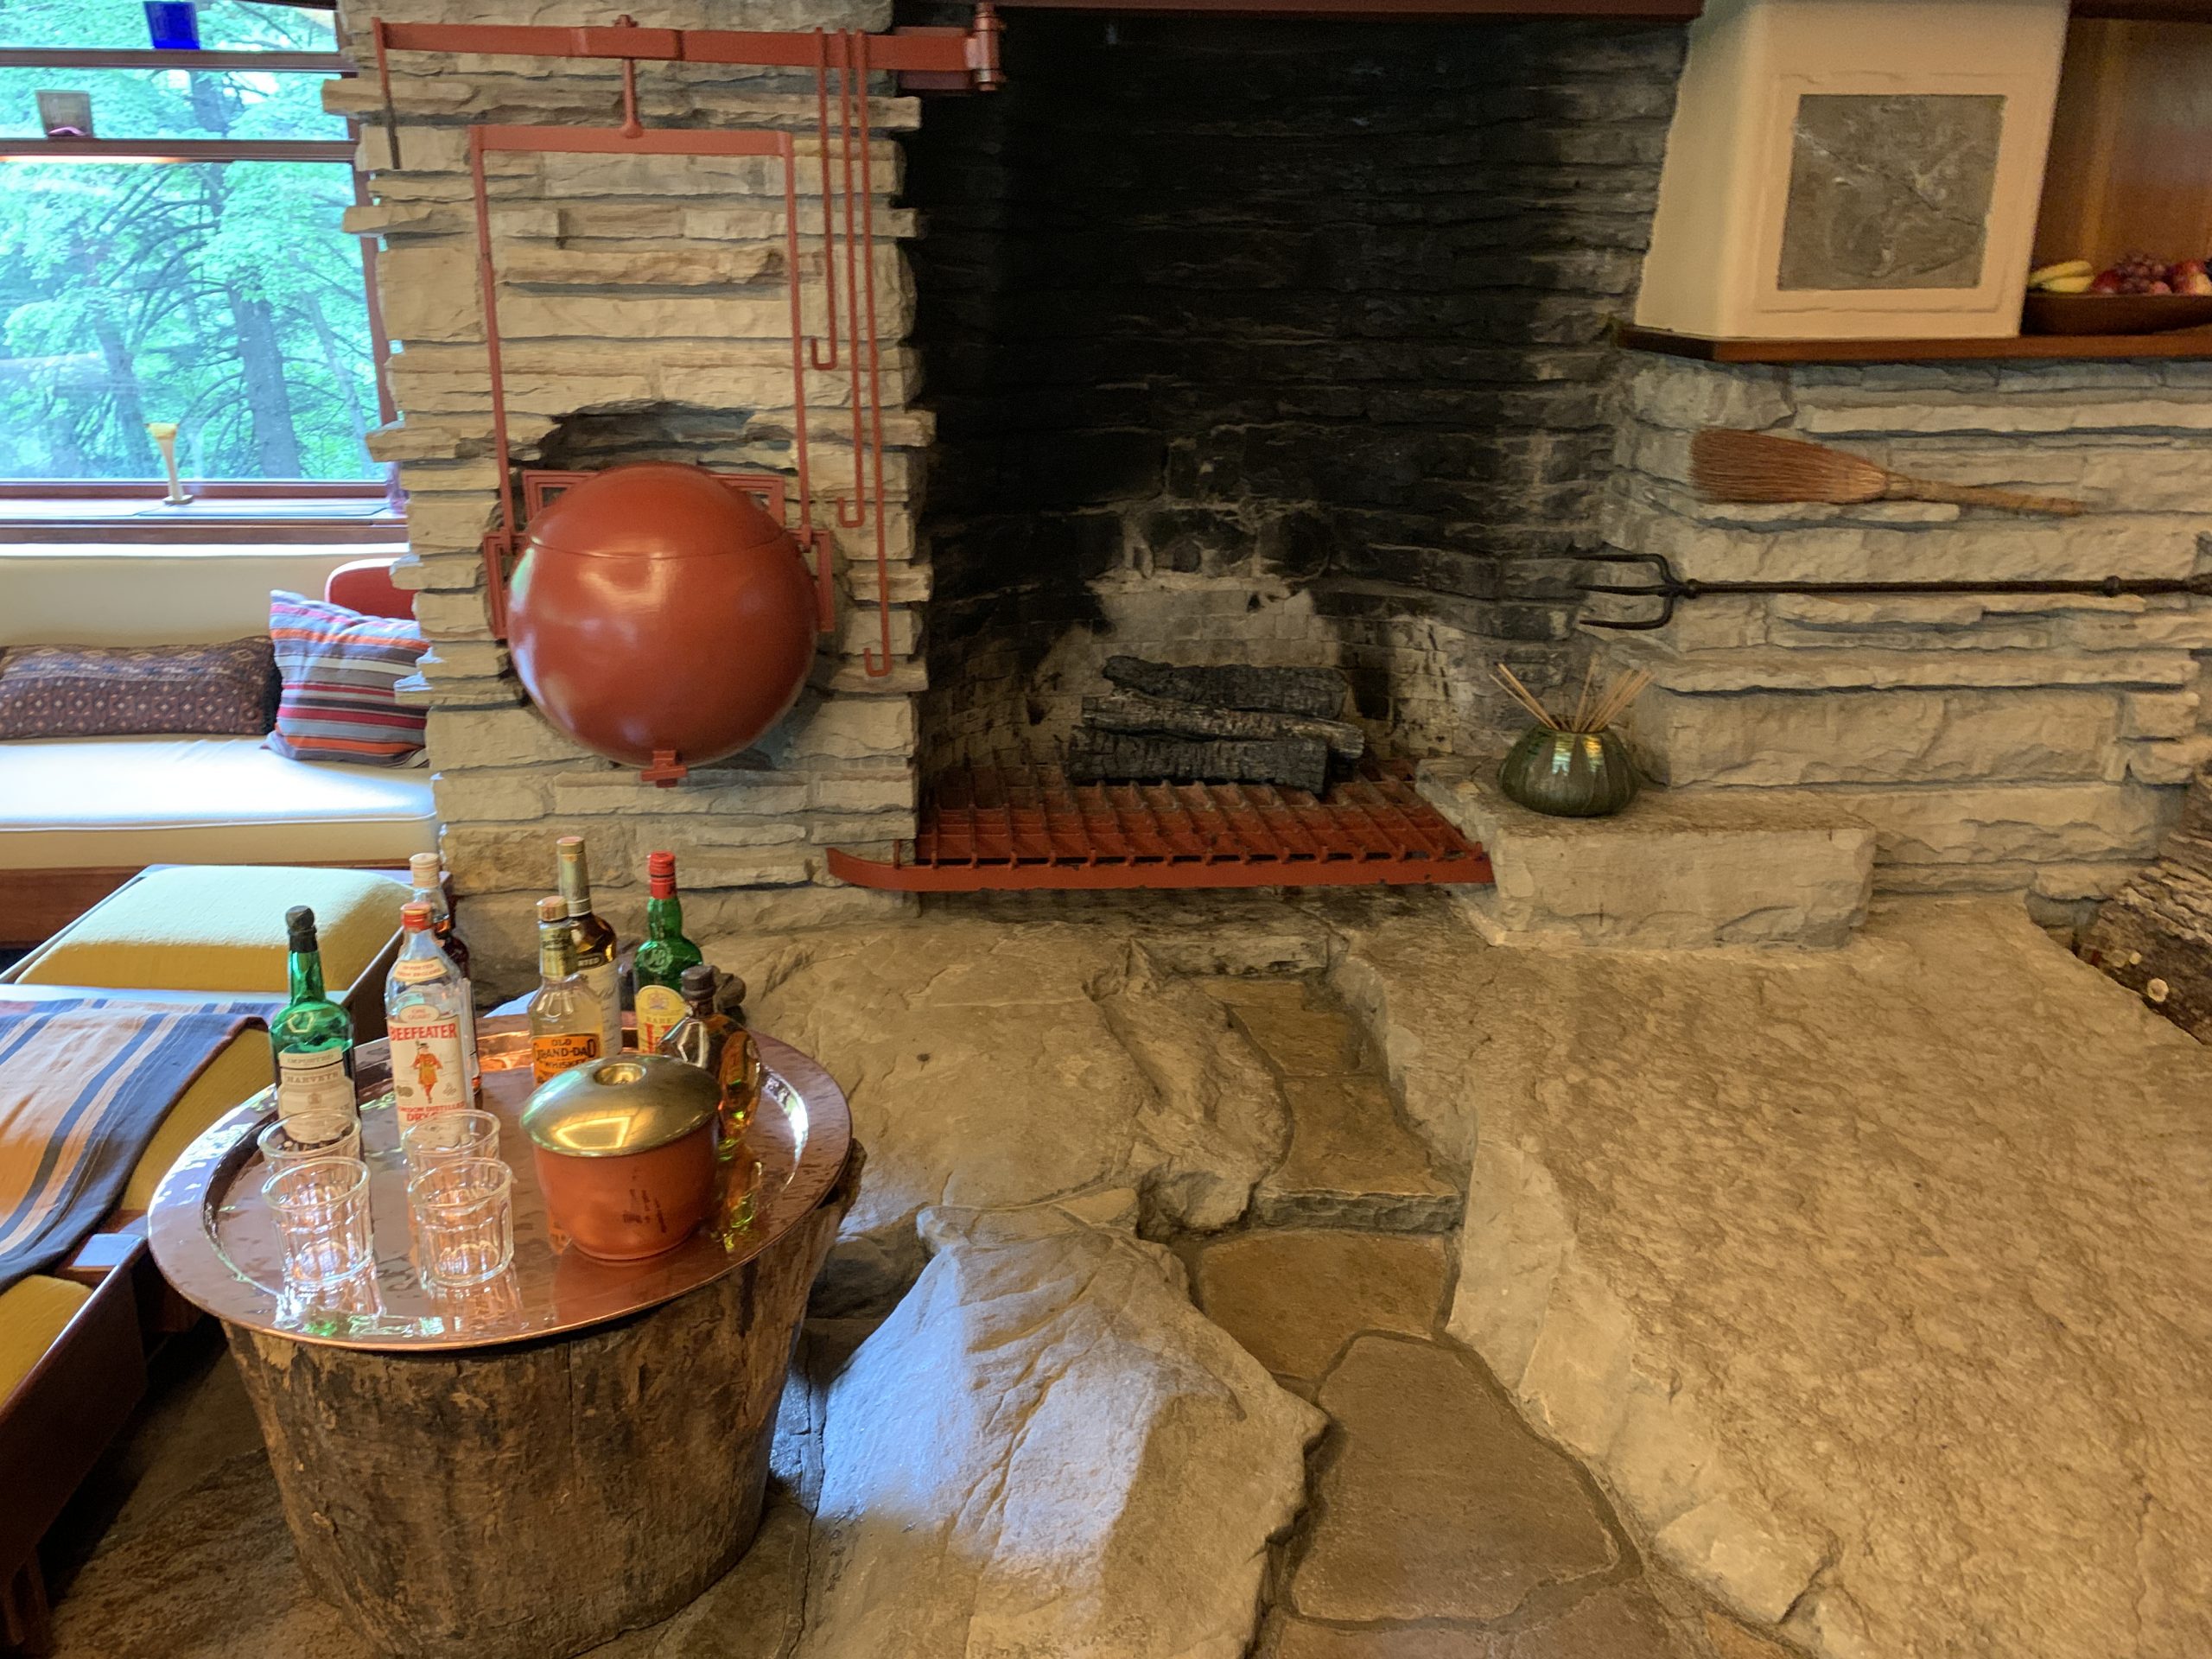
(2014, 743)
(1277, 342)
(646, 294)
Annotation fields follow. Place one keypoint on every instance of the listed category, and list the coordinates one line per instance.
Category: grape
(2138, 272)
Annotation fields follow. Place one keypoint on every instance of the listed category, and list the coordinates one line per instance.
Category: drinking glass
(467, 1133)
(464, 1216)
(322, 1212)
(308, 1135)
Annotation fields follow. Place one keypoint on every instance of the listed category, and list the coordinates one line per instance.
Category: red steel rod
(877, 663)
(940, 51)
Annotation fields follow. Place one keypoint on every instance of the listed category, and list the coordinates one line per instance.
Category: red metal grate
(999, 827)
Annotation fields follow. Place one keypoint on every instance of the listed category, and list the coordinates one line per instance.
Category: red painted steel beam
(965, 52)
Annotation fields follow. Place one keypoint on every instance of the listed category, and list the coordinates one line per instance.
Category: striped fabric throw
(84, 1083)
(340, 670)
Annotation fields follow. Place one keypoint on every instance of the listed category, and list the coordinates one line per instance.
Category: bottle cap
(414, 918)
(569, 846)
(425, 867)
(551, 909)
(299, 928)
(660, 863)
(698, 981)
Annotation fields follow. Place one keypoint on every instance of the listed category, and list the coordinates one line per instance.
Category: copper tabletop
(216, 1242)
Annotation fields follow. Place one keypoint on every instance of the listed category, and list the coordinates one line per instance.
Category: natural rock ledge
(1046, 1452)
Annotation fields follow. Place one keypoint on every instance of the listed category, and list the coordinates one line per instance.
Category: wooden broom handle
(1901, 488)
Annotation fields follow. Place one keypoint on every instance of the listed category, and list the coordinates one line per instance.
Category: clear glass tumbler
(322, 1212)
(464, 1216)
(316, 1134)
(467, 1133)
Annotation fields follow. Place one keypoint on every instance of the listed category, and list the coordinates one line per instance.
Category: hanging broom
(1730, 466)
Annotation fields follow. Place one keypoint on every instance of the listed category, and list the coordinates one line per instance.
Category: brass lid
(607, 1109)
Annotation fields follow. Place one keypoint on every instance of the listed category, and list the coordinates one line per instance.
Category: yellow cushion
(242, 1069)
(220, 927)
(32, 1313)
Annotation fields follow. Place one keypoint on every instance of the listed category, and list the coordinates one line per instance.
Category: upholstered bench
(71, 1363)
(220, 930)
(80, 814)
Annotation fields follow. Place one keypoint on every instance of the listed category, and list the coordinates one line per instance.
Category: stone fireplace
(1278, 342)
(1285, 343)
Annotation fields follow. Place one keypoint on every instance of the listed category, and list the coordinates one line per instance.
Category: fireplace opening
(1282, 344)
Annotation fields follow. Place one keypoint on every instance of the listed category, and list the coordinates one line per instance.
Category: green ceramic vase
(1569, 774)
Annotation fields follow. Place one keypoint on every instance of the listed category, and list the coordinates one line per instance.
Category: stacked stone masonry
(1994, 743)
(643, 315)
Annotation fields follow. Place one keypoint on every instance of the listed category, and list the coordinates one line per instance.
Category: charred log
(1316, 693)
(1131, 711)
(1098, 757)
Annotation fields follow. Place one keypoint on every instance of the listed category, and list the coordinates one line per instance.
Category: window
(185, 263)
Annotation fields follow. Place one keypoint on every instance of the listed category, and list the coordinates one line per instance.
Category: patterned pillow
(340, 670)
(135, 690)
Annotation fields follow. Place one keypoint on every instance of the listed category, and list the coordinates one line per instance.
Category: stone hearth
(1867, 1313)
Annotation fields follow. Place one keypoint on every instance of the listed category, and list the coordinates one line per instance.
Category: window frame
(330, 65)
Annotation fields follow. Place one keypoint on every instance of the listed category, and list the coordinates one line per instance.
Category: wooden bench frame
(56, 1423)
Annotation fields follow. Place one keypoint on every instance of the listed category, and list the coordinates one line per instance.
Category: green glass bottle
(313, 1036)
(660, 961)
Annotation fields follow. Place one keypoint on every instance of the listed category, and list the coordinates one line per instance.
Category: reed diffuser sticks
(1592, 713)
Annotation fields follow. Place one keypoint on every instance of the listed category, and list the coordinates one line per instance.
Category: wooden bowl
(2114, 314)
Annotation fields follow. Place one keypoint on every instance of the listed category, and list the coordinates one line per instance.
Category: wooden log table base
(534, 1501)
(530, 1469)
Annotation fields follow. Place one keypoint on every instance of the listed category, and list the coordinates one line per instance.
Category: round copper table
(529, 1467)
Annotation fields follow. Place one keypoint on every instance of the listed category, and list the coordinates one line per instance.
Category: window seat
(113, 802)
(79, 815)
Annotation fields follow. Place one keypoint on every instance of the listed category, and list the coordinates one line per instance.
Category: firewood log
(1131, 711)
(1317, 693)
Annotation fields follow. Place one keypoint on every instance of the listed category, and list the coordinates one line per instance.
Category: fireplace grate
(992, 828)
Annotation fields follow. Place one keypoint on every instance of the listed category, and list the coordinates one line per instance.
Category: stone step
(1677, 869)
(1353, 1161)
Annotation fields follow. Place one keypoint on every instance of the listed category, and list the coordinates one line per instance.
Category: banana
(2050, 276)
(2066, 285)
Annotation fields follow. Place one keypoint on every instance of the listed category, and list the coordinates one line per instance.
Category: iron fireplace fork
(1669, 588)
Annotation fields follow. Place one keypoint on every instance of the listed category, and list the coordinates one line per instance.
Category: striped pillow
(340, 669)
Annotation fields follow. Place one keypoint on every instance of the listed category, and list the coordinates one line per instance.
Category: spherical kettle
(656, 611)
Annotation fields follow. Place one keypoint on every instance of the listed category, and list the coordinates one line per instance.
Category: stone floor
(1438, 1526)
(1898, 1249)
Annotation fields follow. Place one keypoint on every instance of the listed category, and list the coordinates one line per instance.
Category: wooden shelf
(2181, 343)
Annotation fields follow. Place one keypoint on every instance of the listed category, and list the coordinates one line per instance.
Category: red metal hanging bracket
(943, 58)
(934, 60)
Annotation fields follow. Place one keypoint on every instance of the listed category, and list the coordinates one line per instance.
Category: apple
(2189, 277)
(2106, 281)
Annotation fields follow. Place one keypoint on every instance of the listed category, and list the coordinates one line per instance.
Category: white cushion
(126, 594)
(123, 802)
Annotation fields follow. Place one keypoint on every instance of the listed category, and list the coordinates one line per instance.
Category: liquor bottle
(425, 1000)
(664, 957)
(566, 1022)
(720, 1046)
(594, 942)
(313, 1036)
(429, 880)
